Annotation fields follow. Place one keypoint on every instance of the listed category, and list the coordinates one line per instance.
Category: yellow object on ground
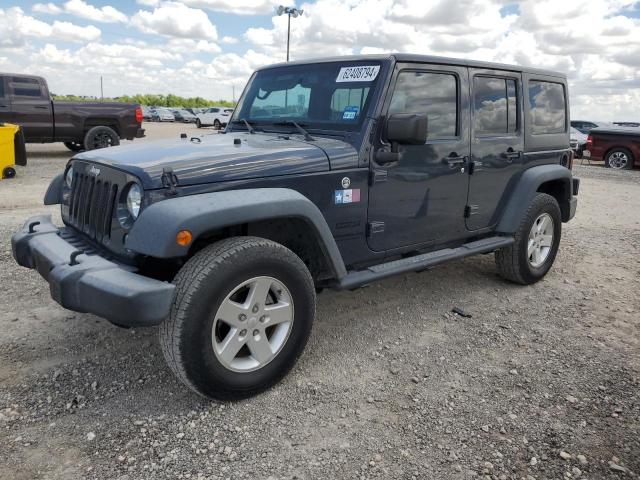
(12, 149)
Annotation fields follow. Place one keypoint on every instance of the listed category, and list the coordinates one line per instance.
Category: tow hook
(74, 256)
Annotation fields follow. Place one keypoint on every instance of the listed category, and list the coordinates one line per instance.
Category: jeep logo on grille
(94, 171)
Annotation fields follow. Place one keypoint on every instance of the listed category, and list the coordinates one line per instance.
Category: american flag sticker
(351, 195)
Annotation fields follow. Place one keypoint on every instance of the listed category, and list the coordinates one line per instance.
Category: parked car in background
(586, 126)
(213, 117)
(627, 124)
(577, 141)
(25, 101)
(619, 147)
(147, 113)
(165, 115)
(183, 115)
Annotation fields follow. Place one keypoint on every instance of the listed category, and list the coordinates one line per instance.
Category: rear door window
(495, 106)
(2, 95)
(547, 107)
(26, 87)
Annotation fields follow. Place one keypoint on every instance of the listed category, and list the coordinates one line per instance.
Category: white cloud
(16, 28)
(106, 14)
(239, 7)
(595, 43)
(74, 33)
(47, 8)
(173, 19)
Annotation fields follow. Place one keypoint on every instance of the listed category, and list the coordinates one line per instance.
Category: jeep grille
(91, 205)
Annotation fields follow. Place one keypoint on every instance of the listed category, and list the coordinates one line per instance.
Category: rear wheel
(74, 146)
(537, 240)
(620, 159)
(241, 316)
(216, 124)
(101, 137)
(198, 123)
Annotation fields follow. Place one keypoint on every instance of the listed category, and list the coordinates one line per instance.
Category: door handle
(510, 155)
(40, 107)
(455, 161)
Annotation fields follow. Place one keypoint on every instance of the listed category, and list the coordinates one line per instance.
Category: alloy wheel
(540, 240)
(618, 160)
(252, 324)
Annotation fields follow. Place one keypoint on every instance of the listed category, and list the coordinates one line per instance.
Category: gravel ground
(541, 382)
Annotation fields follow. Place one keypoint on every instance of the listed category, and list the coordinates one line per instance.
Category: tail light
(589, 142)
(139, 115)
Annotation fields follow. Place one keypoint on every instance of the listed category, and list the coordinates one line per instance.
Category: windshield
(330, 96)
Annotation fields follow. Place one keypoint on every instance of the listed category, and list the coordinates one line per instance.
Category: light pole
(290, 11)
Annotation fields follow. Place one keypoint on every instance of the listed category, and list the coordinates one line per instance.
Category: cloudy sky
(206, 47)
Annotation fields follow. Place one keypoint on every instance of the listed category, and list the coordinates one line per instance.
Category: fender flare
(527, 187)
(154, 232)
(53, 194)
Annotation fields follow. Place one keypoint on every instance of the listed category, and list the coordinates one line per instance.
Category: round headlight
(134, 200)
(68, 178)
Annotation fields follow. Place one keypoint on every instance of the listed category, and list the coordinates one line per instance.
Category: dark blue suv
(331, 174)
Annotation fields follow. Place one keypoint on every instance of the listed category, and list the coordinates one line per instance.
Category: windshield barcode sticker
(364, 73)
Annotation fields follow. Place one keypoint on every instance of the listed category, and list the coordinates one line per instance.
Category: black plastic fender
(53, 196)
(154, 232)
(526, 189)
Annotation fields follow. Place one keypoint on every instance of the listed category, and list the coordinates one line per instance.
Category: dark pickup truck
(619, 147)
(25, 100)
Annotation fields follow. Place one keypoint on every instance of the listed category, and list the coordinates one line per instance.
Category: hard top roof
(414, 58)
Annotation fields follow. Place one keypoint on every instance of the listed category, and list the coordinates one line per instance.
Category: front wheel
(198, 123)
(537, 240)
(241, 316)
(619, 159)
(101, 137)
(216, 124)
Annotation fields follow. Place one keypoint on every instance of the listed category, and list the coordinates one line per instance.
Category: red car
(619, 147)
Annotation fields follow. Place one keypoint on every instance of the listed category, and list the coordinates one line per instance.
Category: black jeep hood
(216, 157)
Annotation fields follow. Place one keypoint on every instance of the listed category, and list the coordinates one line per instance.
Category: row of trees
(151, 99)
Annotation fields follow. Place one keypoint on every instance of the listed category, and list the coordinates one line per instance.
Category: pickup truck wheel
(241, 316)
(101, 137)
(74, 146)
(216, 124)
(198, 123)
(620, 159)
(537, 240)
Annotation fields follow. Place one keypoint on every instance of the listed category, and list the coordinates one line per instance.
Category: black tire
(198, 123)
(513, 261)
(216, 124)
(610, 160)
(101, 137)
(8, 172)
(74, 146)
(202, 285)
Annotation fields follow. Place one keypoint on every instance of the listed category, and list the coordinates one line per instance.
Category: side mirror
(402, 128)
(407, 128)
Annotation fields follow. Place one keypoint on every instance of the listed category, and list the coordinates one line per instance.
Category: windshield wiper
(306, 135)
(247, 124)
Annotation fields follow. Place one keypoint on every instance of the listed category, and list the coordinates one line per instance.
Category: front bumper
(89, 283)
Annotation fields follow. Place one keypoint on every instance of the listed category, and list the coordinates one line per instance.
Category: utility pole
(290, 11)
(101, 90)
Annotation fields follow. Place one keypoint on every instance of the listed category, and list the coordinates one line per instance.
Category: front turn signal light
(184, 238)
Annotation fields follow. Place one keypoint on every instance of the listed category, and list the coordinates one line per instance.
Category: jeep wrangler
(332, 173)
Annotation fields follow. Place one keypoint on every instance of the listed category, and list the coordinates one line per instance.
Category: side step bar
(359, 278)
